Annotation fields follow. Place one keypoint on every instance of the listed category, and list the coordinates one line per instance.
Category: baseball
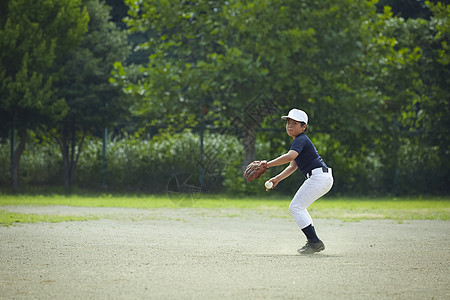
(268, 184)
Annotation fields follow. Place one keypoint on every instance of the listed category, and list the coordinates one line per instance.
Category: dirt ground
(192, 253)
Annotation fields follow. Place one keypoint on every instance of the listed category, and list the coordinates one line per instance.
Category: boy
(303, 156)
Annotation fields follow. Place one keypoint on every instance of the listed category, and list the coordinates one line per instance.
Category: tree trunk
(70, 150)
(15, 182)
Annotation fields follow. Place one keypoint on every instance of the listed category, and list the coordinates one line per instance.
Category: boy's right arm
(284, 174)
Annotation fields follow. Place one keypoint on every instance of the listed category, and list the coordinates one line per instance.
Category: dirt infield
(219, 254)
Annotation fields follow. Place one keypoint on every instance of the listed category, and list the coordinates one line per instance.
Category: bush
(134, 164)
(174, 163)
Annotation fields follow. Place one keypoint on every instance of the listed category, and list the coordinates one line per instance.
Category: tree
(84, 83)
(31, 35)
(433, 110)
(220, 55)
(436, 79)
(407, 65)
(368, 80)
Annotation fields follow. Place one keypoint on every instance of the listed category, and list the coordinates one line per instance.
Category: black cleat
(311, 248)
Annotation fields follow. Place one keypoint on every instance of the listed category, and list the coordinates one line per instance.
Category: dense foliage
(218, 74)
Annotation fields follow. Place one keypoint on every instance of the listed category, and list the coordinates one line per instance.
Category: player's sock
(310, 233)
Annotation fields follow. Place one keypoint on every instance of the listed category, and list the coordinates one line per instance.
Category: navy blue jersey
(308, 158)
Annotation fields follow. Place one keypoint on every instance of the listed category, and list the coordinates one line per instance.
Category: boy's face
(294, 128)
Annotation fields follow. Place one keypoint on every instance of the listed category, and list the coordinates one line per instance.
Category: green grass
(395, 209)
(9, 218)
(88, 201)
(347, 209)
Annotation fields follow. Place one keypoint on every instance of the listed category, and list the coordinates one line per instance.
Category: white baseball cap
(297, 115)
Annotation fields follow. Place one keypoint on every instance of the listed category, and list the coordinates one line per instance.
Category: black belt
(309, 174)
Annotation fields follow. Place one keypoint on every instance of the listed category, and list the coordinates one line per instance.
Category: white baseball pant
(312, 189)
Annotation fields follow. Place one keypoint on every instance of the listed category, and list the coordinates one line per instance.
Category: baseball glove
(255, 169)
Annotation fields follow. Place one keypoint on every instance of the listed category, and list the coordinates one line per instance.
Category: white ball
(268, 184)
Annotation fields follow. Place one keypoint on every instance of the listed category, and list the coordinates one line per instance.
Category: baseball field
(184, 247)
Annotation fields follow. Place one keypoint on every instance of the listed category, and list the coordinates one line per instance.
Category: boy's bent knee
(295, 210)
